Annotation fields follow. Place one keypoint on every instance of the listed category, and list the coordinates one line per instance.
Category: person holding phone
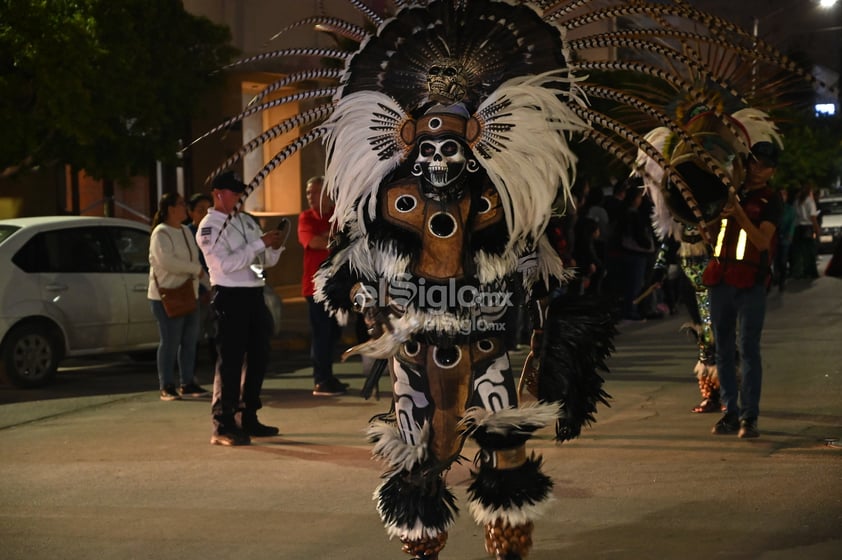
(236, 252)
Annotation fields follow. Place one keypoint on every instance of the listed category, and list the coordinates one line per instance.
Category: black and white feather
(508, 54)
(578, 338)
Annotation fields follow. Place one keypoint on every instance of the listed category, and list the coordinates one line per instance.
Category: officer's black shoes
(255, 429)
(230, 438)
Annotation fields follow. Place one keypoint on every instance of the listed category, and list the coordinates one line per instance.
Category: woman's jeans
(179, 337)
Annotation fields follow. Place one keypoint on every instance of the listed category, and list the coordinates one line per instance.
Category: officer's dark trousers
(242, 342)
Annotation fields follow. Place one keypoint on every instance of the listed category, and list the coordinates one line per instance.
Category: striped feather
(327, 24)
(315, 74)
(299, 120)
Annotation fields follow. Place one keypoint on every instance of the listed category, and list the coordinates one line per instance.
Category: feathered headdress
(531, 76)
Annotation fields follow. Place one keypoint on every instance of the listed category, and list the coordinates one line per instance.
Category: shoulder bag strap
(187, 242)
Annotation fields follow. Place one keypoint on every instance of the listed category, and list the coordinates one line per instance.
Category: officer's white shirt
(230, 256)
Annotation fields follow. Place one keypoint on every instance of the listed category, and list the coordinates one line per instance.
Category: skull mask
(447, 81)
(440, 161)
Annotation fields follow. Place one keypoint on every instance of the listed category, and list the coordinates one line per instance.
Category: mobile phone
(282, 225)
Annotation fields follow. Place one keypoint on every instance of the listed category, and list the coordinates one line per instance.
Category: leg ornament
(506, 542)
(425, 549)
(506, 501)
(708, 387)
(414, 502)
(705, 369)
(418, 509)
(508, 490)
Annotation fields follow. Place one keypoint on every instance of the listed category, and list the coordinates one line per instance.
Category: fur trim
(415, 509)
(691, 250)
(389, 261)
(543, 264)
(351, 263)
(691, 329)
(507, 428)
(492, 268)
(528, 417)
(515, 496)
(705, 371)
(390, 447)
(550, 265)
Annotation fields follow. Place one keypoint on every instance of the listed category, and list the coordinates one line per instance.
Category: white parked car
(71, 286)
(76, 286)
(830, 214)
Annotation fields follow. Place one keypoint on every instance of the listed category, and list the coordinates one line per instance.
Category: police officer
(236, 255)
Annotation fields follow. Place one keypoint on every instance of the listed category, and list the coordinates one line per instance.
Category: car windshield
(831, 206)
(6, 231)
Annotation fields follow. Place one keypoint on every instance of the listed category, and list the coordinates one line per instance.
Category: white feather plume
(759, 126)
(355, 166)
(387, 345)
(534, 160)
(550, 264)
(653, 180)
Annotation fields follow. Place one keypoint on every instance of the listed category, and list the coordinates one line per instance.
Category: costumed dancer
(692, 256)
(441, 195)
(687, 227)
(426, 252)
(678, 230)
(447, 138)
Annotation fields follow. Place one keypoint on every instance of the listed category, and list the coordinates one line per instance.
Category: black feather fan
(578, 337)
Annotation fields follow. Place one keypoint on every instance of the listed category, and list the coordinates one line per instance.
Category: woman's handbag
(179, 301)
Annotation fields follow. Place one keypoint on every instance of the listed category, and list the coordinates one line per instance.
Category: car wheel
(30, 355)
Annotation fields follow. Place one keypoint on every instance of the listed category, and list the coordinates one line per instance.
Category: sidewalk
(126, 476)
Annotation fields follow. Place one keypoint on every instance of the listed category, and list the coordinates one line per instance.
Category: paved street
(98, 467)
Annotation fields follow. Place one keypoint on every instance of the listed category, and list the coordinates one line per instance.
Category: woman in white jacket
(173, 258)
